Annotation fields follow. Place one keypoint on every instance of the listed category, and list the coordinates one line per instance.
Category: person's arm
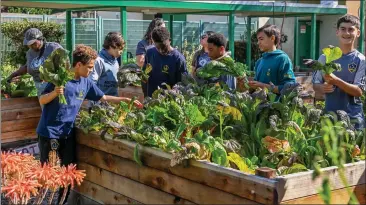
(21, 71)
(354, 89)
(194, 64)
(182, 66)
(95, 94)
(97, 71)
(286, 74)
(48, 95)
(140, 54)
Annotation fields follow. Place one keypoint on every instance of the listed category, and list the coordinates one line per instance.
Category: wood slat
(103, 195)
(24, 113)
(16, 125)
(18, 103)
(18, 135)
(339, 196)
(301, 184)
(175, 185)
(128, 187)
(251, 187)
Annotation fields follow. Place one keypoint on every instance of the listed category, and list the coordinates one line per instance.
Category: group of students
(95, 75)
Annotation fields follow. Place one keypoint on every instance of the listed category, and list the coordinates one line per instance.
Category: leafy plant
(331, 54)
(56, 69)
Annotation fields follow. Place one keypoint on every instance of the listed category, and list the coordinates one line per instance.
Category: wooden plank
(18, 135)
(233, 181)
(103, 195)
(18, 103)
(16, 125)
(175, 185)
(128, 187)
(301, 184)
(339, 196)
(24, 113)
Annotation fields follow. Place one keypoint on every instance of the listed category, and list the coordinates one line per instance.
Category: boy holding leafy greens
(344, 88)
(55, 129)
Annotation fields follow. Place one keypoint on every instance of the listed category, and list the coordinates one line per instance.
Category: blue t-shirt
(104, 73)
(142, 47)
(164, 69)
(353, 72)
(275, 67)
(57, 119)
(201, 59)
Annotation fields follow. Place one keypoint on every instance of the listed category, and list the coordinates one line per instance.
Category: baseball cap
(31, 35)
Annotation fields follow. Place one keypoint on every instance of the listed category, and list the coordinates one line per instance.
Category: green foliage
(27, 10)
(15, 30)
(23, 86)
(56, 69)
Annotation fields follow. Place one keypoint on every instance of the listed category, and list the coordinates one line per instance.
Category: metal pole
(249, 43)
(100, 31)
(361, 42)
(123, 21)
(182, 34)
(73, 35)
(232, 33)
(171, 23)
(296, 41)
(69, 33)
(313, 37)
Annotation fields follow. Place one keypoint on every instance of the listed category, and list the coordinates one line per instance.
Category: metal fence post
(182, 33)
(100, 32)
(73, 24)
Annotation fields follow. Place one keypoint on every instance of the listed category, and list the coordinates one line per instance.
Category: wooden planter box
(19, 119)
(112, 177)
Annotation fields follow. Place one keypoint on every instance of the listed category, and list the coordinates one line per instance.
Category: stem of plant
(44, 195)
(64, 194)
(51, 197)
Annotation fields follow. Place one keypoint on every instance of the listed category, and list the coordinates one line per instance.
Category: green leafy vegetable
(56, 70)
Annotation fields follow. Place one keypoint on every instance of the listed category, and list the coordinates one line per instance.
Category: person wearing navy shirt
(106, 65)
(163, 63)
(147, 42)
(55, 129)
(343, 89)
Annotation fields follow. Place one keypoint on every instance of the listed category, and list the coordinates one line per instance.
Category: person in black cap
(39, 50)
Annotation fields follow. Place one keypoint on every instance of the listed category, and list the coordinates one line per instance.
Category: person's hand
(138, 104)
(256, 84)
(327, 88)
(59, 90)
(331, 79)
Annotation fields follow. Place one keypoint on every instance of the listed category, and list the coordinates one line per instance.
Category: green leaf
(332, 54)
(219, 155)
(136, 155)
(295, 168)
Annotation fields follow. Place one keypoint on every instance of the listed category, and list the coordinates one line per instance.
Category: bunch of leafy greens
(331, 54)
(222, 66)
(129, 74)
(56, 70)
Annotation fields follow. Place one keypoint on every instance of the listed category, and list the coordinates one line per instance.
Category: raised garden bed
(19, 119)
(113, 177)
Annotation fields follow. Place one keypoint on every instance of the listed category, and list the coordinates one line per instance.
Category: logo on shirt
(148, 68)
(203, 62)
(81, 95)
(36, 62)
(269, 72)
(352, 67)
(166, 69)
(287, 75)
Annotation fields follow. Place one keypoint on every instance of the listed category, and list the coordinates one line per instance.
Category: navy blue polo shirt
(163, 69)
(57, 119)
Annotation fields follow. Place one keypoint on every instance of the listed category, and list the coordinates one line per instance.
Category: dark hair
(114, 40)
(161, 37)
(271, 30)
(217, 39)
(208, 33)
(157, 22)
(354, 20)
(83, 54)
